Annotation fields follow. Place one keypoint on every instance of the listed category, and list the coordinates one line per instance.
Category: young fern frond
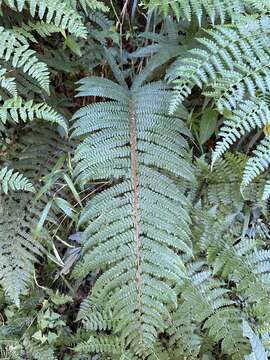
(10, 180)
(133, 144)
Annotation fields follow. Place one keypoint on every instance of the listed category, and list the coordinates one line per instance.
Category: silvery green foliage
(133, 144)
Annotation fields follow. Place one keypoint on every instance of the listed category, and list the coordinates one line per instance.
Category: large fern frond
(133, 144)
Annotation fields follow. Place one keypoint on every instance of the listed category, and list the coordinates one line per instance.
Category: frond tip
(10, 180)
(16, 109)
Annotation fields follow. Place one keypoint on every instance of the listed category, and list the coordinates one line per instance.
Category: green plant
(143, 233)
(139, 239)
(230, 65)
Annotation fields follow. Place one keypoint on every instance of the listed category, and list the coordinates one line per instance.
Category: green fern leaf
(215, 10)
(56, 12)
(258, 163)
(259, 352)
(250, 114)
(34, 155)
(15, 109)
(14, 48)
(18, 250)
(7, 83)
(10, 180)
(142, 151)
(231, 62)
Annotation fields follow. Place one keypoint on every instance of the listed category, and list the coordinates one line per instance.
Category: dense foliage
(134, 179)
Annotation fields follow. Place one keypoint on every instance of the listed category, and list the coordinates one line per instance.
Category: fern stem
(136, 213)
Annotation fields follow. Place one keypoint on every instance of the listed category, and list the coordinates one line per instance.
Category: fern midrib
(136, 213)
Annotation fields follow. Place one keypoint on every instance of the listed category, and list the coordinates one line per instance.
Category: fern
(231, 65)
(223, 180)
(208, 301)
(7, 83)
(257, 347)
(250, 114)
(18, 251)
(258, 163)
(35, 155)
(215, 10)
(233, 60)
(14, 181)
(94, 5)
(143, 162)
(15, 109)
(14, 48)
(56, 12)
(40, 27)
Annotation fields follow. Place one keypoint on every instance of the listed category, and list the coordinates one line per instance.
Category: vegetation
(134, 179)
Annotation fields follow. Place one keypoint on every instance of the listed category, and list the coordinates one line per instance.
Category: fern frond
(10, 180)
(110, 345)
(15, 49)
(7, 83)
(258, 163)
(258, 350)
(57, 12)
(223, 180)
(215, 10)
(40, 27)
(248, 267)
(18, 250)
(250, 114)
(142, 152)
(207, 299)
(231, 62)
(15, 110)
(34, 155)
(93, 5)
(266, 191)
